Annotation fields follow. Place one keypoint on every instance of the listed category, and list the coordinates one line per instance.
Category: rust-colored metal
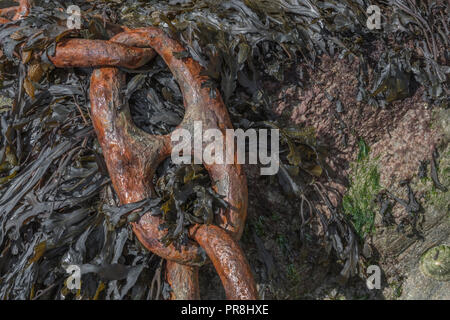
(16, 12)
(126, 152)
(228, 259)
(130, 154)
(212, 113)
(90, 53)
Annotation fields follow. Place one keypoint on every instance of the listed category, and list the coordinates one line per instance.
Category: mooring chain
(133, 155)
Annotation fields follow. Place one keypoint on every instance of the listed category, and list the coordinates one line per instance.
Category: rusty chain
(133, 155)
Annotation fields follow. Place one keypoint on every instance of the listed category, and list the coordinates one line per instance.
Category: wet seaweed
(57, 206)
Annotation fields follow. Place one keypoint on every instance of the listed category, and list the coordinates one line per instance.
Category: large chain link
(133, 155)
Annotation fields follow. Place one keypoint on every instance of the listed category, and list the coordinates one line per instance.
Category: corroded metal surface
(199, 106)
(23, 10)
(183, 280)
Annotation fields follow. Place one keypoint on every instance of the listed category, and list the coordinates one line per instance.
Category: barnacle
(435, 263)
